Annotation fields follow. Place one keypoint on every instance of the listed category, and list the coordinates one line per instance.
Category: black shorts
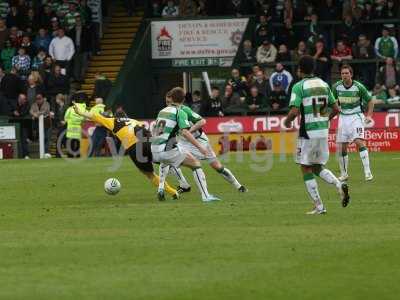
(140, 154)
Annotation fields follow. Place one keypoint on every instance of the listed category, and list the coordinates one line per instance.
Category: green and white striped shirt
(70, 19)
(193, 118)
(312, 96)
(351, 98)
(169, 122)
(62, 10)
(54, 5)
(4, 8)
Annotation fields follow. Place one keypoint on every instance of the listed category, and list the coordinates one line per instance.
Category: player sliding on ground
(352, 96)
(196, 123)
(171, 122)
(310, 99)
(135, 138)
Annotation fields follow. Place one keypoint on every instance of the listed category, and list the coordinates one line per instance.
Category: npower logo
(272, 123)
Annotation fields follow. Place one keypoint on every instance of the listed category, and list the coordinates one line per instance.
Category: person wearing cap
(386, 45)
(266, 53)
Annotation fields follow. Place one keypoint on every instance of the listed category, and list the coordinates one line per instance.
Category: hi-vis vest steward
(74, 122)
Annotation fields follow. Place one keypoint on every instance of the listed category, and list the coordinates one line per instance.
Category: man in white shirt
(62, 50)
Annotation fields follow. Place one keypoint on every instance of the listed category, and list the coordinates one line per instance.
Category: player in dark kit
(135, 138)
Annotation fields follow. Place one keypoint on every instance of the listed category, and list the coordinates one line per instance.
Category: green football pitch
(62, 237)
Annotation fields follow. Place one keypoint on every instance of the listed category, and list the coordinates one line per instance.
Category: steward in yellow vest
(74, 122)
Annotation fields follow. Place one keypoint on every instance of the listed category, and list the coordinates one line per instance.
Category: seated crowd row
(261, 92)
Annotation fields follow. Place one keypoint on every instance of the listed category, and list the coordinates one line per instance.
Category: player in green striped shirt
(310, 100)
(171, 122)
(353, 97)
(196, 123)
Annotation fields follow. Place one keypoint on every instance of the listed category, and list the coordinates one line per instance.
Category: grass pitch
(62, 237)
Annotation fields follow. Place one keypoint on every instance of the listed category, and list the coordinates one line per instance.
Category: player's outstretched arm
(187, 135)
(198, 125)
(82, 112)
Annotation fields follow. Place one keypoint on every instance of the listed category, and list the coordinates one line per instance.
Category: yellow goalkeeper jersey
(123, 128)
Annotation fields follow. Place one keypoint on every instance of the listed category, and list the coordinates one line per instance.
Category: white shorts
(189, 147)
(350, 127)
(312, 151)
(174, 157)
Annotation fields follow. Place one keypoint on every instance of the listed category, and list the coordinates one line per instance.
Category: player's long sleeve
(395, 46)
(377, 50)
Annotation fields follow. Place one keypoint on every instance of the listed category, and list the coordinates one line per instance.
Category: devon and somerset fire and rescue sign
(197, 38)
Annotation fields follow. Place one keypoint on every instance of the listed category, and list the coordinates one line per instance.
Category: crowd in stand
(286, 30)
(44, 47)
(255, 94)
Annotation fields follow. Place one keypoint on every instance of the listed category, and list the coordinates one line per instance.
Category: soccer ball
(112, 186)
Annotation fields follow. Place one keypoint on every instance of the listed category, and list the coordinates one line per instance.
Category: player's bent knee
(216, 165)
(191, 162)
(360, 143)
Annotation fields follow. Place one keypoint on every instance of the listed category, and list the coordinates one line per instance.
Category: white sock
(328, 177)
(177, 172)
(162, 173)
(228, 176)
(201, 182)
(343, 164)
(364, 155)
(312, 189)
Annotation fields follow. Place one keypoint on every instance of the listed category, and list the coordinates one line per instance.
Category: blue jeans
(98, 139)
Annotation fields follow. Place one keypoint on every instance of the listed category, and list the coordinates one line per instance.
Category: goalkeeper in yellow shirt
(134, 137)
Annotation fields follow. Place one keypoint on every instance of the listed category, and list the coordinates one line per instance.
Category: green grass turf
(62, 237)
